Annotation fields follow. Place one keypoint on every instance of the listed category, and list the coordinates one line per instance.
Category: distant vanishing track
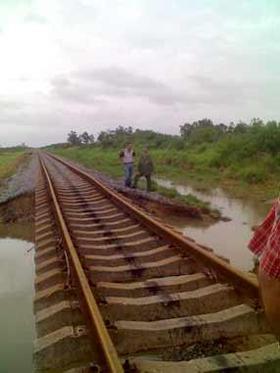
(117, 290)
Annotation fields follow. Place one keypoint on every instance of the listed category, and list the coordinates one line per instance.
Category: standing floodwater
(16, 305)
(229, 239)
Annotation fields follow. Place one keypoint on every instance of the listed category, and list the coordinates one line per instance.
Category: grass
(188, 199)
(107, 161)
(202, 166)
(9, 162)
(257, 177)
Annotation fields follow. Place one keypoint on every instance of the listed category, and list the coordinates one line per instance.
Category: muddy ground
(18, 210)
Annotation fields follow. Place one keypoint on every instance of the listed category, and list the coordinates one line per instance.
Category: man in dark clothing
(145, 168)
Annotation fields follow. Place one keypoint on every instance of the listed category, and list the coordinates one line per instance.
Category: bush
(252, 174)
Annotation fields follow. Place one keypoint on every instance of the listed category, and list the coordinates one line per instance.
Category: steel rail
(96, 319)
(243, 281)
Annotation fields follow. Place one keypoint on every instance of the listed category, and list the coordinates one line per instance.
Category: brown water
(16, 298)
(229, 239)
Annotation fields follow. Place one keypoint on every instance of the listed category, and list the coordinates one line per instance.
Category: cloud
(35, 18)
(90, 65)
(9, 105)
(113, 82)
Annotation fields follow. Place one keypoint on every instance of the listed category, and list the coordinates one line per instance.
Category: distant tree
(203, 123)
(91, 139)
(241, 127)
(86, 139)
(185, 130)
(117, 137)
(73, 138)
(270, 124)
(256, 122)
(222, 127)
(106, 138)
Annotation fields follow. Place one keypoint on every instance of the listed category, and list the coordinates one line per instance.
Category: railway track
(118, 291)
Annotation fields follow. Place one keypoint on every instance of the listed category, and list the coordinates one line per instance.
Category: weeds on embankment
(206, 166)
(107, 161)
(9, 162)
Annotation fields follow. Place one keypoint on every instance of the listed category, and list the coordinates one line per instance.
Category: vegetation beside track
(107, 161)
(10, 161)
(244, 158)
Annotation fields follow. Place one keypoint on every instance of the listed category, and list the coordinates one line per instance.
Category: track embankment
(117, 290)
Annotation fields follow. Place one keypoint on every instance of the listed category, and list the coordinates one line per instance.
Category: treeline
(255, 136)
(119, 137)
(245, 138)
(16, 148)
(75, 139)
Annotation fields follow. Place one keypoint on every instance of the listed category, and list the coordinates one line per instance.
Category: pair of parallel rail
(118, 290)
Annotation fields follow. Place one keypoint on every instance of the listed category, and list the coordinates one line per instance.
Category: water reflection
(16, 303)
(229, 239)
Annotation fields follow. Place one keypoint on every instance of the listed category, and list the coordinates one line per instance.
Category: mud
(18, 210)
(217, 347)
(160, 206)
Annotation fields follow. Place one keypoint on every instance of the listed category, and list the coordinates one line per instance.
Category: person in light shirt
(127, 156)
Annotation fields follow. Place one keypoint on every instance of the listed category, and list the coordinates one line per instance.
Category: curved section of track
(149, 299)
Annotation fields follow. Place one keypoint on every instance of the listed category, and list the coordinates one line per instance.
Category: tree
(241, 127)
(256, 123)
(73, 138)
(186, 130)
(86, 139)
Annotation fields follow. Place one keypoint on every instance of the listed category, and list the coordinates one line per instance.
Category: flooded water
(229, 239)
(16, 299)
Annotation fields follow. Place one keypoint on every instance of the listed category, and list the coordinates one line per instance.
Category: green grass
(107, 161)
(9, 161)
(172, 193)
(203, 166)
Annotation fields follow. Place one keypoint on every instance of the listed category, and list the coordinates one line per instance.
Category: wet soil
(217, 347)
(18, 210)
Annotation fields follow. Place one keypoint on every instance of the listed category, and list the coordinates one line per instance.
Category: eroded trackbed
(167, 304)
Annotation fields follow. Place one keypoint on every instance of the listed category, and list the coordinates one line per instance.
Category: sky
(153, 64)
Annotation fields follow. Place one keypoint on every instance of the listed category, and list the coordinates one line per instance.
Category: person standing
(145, 168)
(127, 156)
(265, 244)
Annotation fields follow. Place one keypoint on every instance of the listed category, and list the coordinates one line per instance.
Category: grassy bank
(9, 162)
(107, 162)
(203, 166)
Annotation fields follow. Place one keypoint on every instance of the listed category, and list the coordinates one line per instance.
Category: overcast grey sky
(153, 64)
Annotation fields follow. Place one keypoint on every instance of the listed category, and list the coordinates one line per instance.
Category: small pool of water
(229, 239)
(16, 303)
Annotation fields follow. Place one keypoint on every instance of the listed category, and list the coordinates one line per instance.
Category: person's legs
(149, 183)
(136, 179)
(270, 293)
(130, 174)
(126, 174)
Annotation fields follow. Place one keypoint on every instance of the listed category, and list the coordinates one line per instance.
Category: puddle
(16, 298)
(229, 239)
